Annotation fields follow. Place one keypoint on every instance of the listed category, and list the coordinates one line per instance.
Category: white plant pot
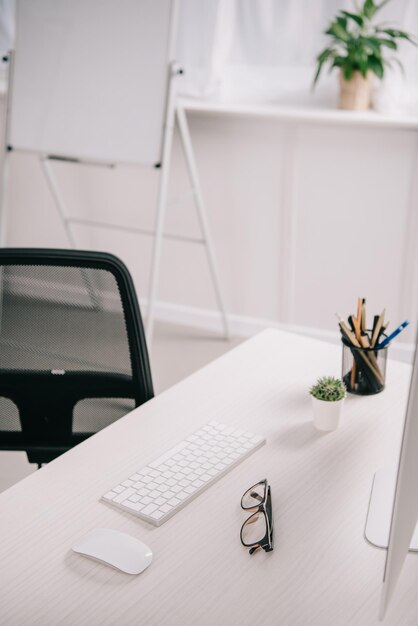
(326, 415)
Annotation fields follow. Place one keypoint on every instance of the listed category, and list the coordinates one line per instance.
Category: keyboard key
(110, 495)
(124, 495)
(144, 471)
(133, 506)
(165, 494)
(149, 509)
(157, 514)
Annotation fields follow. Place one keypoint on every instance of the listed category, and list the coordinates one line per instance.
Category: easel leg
(201, 211)
(158, 237)
(4, 201)
(5, 178)
(59, 203)
(58, 199)
(3, 222)
(161, 206)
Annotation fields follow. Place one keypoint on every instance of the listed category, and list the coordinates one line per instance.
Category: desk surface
(322, 572)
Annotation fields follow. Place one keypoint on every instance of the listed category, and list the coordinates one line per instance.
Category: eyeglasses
(257, 531)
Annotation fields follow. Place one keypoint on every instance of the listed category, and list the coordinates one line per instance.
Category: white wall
(305, 218)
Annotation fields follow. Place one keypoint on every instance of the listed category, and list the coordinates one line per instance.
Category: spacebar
(168, 454)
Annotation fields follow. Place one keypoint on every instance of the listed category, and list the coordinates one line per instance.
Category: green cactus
(329, 389)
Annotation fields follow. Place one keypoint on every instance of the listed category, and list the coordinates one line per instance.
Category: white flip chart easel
(93, 82)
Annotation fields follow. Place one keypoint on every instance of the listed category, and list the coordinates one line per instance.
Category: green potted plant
(328, 394)
(359, 49)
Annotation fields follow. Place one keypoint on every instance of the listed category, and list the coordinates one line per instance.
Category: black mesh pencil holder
(363, 369)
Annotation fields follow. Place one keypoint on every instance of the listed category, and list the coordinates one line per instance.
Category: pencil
(363, 316)
(377, 328)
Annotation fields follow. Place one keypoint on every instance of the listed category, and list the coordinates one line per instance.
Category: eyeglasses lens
(254, 529)
(254, 496)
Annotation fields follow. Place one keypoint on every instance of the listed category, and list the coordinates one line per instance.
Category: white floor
(176, 353)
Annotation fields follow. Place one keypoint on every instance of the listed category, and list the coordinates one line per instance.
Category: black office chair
(73, 355)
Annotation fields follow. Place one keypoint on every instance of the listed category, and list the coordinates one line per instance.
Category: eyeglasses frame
(266, 543)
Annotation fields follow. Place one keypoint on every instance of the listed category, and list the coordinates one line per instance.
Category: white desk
(322, 572)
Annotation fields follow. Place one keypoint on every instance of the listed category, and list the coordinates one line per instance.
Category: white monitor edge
(405, 505)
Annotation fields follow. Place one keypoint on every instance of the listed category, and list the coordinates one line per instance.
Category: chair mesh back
(59, 324)
(62, 318)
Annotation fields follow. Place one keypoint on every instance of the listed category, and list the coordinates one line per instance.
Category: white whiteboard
(90, 79)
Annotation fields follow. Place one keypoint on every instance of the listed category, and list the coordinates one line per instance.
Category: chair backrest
(73, 355)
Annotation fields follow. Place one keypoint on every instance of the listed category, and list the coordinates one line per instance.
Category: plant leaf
(352, 16)
(363, 67)
(373, 43)
(348, 71)
(369, 9)
(389, 43)
(338, 31)
(398, 63)
(321, 58)
(376, 66)
(342, 21)
(339, 61)
(397, 34)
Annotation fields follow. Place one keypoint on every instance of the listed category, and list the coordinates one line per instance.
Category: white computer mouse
(115, 549)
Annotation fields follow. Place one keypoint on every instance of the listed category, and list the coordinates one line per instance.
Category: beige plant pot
(356, 93)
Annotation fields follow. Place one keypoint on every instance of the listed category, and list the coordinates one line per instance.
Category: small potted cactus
(328, 394)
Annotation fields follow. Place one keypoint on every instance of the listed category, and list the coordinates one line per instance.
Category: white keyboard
(158, 490)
